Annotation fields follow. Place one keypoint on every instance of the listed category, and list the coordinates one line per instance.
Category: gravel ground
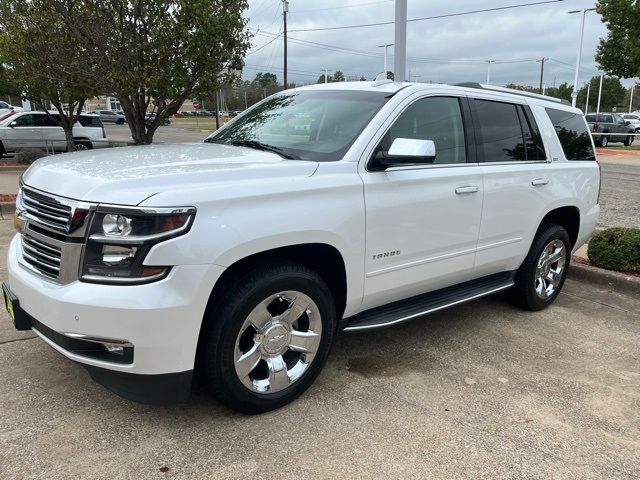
(483, 390)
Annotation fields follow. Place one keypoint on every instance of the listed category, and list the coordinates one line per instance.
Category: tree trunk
(68, 135)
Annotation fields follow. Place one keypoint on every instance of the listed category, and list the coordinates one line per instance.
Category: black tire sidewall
(219, 344)
(526, 275)
(604, 141)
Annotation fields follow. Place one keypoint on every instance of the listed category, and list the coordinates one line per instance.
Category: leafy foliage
(619, 53)
(616, 249)
(32, 39)
(562, 91)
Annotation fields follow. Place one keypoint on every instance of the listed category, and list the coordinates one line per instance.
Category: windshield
(309, 125)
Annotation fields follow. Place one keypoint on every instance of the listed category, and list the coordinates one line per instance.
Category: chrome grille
(46, 210)
(44, 258)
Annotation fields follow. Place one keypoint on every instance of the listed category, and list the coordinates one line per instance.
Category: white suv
(42, 131)
(339, 207)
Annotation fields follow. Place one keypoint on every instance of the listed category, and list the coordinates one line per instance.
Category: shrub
(28, 155)
(616, 249)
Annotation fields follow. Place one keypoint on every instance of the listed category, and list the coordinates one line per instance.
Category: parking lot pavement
(620, 195)
(174, 133)
(480, 391)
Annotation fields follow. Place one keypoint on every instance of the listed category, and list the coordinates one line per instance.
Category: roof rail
(512, 91)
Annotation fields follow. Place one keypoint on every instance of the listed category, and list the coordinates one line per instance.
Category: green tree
(338, 76)
(154, 54)
(562, 91)
(619, 53)
(32, 39)
(613, 93)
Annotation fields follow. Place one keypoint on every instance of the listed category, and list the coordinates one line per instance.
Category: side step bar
(404, 310)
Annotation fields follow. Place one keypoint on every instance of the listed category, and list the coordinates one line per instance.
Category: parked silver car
(109, 116)
(39, 130)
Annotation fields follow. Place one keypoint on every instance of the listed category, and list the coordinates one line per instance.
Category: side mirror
(13, 124)
(405, 151)
(627, 123)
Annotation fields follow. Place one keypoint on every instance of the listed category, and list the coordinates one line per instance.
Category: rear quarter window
(90, 121)
(573, 134)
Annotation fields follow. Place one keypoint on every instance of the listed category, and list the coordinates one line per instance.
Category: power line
(448, 15)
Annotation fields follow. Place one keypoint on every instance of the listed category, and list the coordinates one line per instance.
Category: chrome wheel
(550, 269)
(277, 342)
(80, 146)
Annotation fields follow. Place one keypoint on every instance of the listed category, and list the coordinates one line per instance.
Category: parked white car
(42, 131)
(633, 120)
(243, 256)
(5, 107)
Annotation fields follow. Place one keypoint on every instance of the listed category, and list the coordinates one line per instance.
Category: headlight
(119, 240)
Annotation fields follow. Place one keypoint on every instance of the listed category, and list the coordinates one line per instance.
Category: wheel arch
(567, 217)
(325, 259)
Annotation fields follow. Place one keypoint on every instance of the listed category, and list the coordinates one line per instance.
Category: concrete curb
(605, 278)
(13, 168)
(7, 209)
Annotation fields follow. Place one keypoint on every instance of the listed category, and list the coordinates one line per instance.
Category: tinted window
(573, 134)
(43, 120)
(501, 138)
(4, 105)
(90, 121)
(438, 119)
(534, 148)
(25, 121)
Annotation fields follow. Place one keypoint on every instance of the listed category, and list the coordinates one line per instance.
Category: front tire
(541, 276)
(604, 141)
(628, 141)
(266, 337)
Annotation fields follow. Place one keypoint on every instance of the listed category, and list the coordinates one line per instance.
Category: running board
(404, 310)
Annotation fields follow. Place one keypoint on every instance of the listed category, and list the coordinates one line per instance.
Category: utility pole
(586, 104)
(385, 46)
(326, 75)
(400, 52)
(599, 95)
(631, 98)
(217, 109)
(285, 10)
(489, 62)
(574, 94)
(541, 71)
(245, 100)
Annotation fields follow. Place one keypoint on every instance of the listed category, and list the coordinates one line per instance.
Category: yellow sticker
(10, 309)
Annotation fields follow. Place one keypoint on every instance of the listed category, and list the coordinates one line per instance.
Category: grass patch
(200, 128)
(624, 147)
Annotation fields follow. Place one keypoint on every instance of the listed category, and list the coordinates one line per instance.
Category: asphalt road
(480, 391)
(620, 194)
(174, 133)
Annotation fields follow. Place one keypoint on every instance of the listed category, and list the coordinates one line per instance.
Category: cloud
(449, 50)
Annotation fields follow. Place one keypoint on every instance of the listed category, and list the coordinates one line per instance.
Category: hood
(128, 175)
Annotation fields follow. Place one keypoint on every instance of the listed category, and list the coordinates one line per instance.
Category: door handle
(467, 189)
(539, 181)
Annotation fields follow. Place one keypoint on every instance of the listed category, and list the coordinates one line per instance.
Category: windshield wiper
(263, 146)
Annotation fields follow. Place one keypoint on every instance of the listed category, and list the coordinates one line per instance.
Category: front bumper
(160, 320)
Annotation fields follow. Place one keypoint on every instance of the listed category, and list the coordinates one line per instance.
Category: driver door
(423, 221)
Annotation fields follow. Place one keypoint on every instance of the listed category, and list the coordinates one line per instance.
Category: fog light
(116, 225)
(114, 349)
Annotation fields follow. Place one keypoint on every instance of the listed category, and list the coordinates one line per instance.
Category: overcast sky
(449, 50)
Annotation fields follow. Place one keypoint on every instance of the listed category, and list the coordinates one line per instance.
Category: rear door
(516, 175)
(24, 134)
(422, 221)
(51, 132)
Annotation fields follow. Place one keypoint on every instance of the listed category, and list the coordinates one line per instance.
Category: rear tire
(539, 279)
(81, 146)
(120, 121)
(250, 354)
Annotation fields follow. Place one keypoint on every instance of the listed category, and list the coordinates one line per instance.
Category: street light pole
(385, 46)
(489, 62)
(574, 94)
(631, 98)
(586, 104)
(599, 94)
(400, 53)
(285, 10)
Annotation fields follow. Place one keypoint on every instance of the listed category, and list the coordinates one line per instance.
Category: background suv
(633, 120)
(42, 131)
(613, 124)
(109, 116)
